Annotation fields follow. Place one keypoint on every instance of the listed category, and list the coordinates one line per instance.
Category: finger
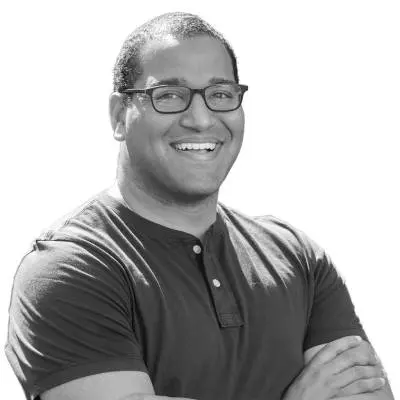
(332, 349)
(362, 386)
(363, 354)
(355, 374)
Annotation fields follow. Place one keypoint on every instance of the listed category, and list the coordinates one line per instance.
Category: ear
(117, 116)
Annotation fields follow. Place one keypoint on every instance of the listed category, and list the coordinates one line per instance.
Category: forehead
(195, 61)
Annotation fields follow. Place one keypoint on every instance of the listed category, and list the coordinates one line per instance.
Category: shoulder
(91, 217)
(277, 240)
(101, 226)
(68, 266)
(270, 230)
(56, 270)
(83, 244)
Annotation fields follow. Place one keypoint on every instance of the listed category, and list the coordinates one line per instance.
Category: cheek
(147, 135)
(235, 124)
(241, 118)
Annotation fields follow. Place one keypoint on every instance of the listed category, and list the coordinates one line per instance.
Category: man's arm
(81, 337)
(345, 369)
(332, 310)
(385, 393)
(118, 385)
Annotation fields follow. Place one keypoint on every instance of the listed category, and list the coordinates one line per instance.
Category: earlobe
(119, 132)
(117, 114)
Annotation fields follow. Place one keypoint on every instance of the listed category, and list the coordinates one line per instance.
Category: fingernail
(382, 381)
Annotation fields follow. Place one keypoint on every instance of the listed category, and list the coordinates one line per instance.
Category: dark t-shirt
(227, 319)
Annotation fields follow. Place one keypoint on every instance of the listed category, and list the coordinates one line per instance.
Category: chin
(195, 194)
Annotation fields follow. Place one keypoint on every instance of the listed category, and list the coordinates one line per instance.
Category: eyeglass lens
(223, 97)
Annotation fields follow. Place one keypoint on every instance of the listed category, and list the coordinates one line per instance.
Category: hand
(344, 367)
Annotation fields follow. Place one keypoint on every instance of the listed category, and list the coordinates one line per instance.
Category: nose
(198, 116)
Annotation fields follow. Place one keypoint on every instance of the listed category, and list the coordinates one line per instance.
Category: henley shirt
(228, 318)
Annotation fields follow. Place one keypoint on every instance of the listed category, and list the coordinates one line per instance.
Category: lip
(194, 156)
(196, 140)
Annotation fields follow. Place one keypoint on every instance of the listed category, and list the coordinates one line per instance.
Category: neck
(194, 218)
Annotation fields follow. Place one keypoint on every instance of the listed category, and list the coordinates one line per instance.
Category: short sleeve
(332, 313)
(70, 316)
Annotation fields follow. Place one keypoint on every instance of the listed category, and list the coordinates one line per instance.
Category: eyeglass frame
(201, 92)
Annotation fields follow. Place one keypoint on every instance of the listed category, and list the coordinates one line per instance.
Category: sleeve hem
(331, 335)
(80, 371)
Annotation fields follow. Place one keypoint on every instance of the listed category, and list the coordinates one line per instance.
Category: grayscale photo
(201, 201)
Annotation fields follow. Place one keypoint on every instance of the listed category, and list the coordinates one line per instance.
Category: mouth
(201, 151)
(195, 147)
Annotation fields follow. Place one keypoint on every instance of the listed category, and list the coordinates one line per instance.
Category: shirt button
(197, 249)
(216, 282)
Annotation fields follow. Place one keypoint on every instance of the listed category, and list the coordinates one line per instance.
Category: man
(153, 289)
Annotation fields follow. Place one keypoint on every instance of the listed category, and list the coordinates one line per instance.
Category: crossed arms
(345, 369)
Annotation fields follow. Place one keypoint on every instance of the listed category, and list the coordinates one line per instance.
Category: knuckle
(360, 355)
(358, 372)
(371, 359)
(368, 353)
(345, 360)
(364, 372)
(369, 384)
(379, 371)
(353, 340)
(368, 345)
(376, 383)
(374, 357)
(365, 358)
(362, 384)
(344, 343)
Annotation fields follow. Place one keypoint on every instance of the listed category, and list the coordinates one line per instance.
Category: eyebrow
(183, 82)
(221, 80)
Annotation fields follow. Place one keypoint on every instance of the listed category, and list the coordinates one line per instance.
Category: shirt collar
(142, 226)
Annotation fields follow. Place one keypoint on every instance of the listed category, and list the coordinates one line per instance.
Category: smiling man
(153, 288)
(178, 145)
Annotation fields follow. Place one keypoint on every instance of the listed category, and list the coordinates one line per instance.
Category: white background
(321, 143)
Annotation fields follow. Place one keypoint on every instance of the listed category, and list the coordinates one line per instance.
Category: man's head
(163, 154)
(128, 67)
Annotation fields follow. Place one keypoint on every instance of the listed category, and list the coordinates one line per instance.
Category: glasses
(222, 97)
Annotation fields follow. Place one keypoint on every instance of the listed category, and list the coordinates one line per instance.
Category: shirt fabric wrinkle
(259, 294)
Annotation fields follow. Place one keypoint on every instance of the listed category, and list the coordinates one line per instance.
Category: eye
(222, 95)
(169, 95)
(165, 94)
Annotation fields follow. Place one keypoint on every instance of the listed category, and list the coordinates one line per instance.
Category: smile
(202, 147)
(196, 152)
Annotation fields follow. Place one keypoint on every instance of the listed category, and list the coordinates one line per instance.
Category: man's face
(157, 166)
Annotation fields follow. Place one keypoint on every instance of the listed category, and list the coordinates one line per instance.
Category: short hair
(128, 67)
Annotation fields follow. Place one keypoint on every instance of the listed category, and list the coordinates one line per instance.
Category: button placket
(224, 302)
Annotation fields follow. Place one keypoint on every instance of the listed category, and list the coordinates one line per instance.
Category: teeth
(195, 146)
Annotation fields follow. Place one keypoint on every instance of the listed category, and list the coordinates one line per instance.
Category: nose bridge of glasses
(200, 95)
